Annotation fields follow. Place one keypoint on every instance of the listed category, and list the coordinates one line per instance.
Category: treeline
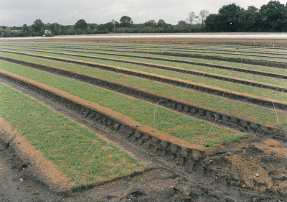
(125, 25)
(271, 17)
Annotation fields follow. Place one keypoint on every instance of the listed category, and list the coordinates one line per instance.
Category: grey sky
(68, 12)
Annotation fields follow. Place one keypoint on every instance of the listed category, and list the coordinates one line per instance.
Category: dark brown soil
(260, 176)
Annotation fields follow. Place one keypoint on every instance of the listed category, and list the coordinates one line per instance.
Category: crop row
(260, 75)
(250, 71)
(174, 82)
(186, 157)
(202, 52)
(155, 116)
(234, 49)
(79, 152)
(259, 90)
(218, 103)
(192, 110)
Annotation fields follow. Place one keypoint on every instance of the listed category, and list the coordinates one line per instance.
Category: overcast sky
(68, 12)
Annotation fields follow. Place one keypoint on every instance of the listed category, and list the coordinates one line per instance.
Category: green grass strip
(249, 111)
(39, 124)
(192, 130)
(261, 92)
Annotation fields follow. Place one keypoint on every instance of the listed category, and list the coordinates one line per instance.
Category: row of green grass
(199, 79)
(210, 70)
(138, 57)
(176, 124)
(249, 111)
(80, 153)
(184, 47)
(208, 51)
(133, 56)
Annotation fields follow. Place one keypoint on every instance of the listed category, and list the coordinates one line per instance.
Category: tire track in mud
(181, 107)
(242, 70)
(197, 73)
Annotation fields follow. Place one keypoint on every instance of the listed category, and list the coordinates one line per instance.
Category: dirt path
(161, 183)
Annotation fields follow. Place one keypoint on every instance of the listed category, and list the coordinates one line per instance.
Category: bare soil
(254, 170)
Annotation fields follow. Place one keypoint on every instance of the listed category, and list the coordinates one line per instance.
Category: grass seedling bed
(184, 47)
(208, 50)
(208, 81)
(211, 70)
(157, 60)
(64, 142)
(138, 57)
(176, 124)
(249, 111)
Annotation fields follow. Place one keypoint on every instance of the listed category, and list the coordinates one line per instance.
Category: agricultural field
(145, 120)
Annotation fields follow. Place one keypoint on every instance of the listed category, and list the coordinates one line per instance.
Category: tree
(203, 15)
(161, 23)
(25, 30)
(248, 19)
(110, 26)
(81, 26)
(191, 17)
(150, 23)
(126, 21)
(272, 16)
(54, 27)
(212, 23)
(228, 18)
(38, 27)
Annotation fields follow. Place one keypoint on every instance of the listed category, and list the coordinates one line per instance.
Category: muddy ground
(260, 176)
